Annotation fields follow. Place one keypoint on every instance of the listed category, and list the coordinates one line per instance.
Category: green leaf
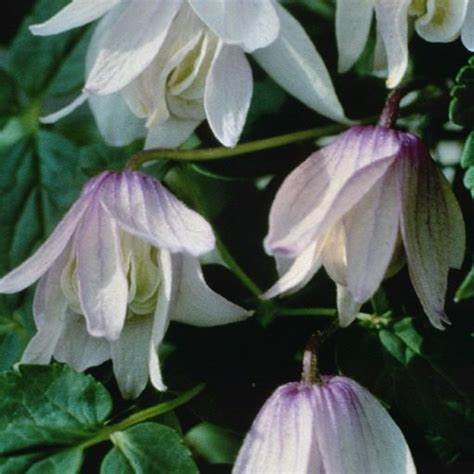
(214, 443)
(466, 290)
(148, 447)
(467, 162)
(461, 109)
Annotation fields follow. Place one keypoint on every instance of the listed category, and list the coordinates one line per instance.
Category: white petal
(334, 254)
(299, 273)
(425, 226)
(115, 121)
(380, 58)
(324, 187)
(145, 208)
(371, 233)
(467, 34)
(32, 269)
(102, 283)
(197, 304)
(130, 355)
(170, 134)
(353, 19)
(228, 93)
(442, 21)
(392, 24)
(251, 24)
(130, 45)
(77, 348)
(77, 13)
(293, 62)
(75, 104)
(347, 307)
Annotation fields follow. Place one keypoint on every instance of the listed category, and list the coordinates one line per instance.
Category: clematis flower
(160, 67)
(336, 427)
(436, 21)
(120, 265)
(359, 207)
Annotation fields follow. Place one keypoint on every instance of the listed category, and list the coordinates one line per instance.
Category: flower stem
(141, 416)
(390, 112)
(307, 311)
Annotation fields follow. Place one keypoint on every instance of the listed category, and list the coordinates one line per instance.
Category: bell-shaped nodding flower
(335, 427)
(120, 265)
(158, 68)
(354, 206)
(436, 21)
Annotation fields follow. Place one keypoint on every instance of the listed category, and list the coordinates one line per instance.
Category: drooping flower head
(120, 265)
(336, 427)
(436, 21)
(160, 67)
(358, 207)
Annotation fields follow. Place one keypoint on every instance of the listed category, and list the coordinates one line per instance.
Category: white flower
(336, 427)
(437, 21)
(161, 67)
(359, 206)
(120, 265)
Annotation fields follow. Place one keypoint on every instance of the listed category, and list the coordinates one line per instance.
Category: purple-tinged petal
(281, 439)
(144, 207)
(77, 13)
(102, 282)
(197, 304)
(33, 268)
(425, 228)
(228, 92)
(392, 25)
(249, 24)
(129, 46)
(347, 306)
(371, 229)
(324, 187)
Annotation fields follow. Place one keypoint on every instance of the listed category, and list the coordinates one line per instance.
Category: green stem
(217, 153)
(307, 312)
(141, 416)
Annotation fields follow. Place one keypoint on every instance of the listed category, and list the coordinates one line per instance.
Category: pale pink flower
(357, 207)
(336, 427)
(119, 266)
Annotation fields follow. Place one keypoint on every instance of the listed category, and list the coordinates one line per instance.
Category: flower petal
(117, 125)
(197, 304)
(250, 24)
(281, 437)
(442, 21)
(353, 19)
(102, 283)
(144, 207)
(347, 306)
(32, 269)
(324, 187)
(467, 34)
(77, 13)
(170, 134)
(130, 45)
(371, 233)
(392, 24)
(228, 93)
(77, 348)
(130, 354)
(58, 115)
(425, 226)
(293, 62)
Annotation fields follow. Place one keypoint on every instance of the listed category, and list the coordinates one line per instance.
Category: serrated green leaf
(461, 109)
(396, 347)
(467, 162)
(213, 443)
(466, 290)
(148, 448)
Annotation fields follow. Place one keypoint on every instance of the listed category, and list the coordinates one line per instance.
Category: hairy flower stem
(141, 416)
(391, 109)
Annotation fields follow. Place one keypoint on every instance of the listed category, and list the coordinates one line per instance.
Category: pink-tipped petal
(129, 46)
(371, 233)
(250, 24)
(102, 282)
(228, 92)
(324, 187)
(144, 207)
(33, 268)
(77, 13)
(197, 304)
(425, 228)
